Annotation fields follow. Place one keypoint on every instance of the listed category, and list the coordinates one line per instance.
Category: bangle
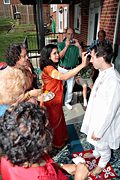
(28, 95)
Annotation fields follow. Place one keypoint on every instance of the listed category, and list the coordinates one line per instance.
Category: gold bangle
(28, 95)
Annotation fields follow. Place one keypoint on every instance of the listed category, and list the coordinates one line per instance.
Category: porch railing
(32, 45)
(34, 52)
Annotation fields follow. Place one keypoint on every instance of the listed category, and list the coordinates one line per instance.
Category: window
(65, 18)
(54, 7)
(60, 22)
(6, 1)
(77, 18)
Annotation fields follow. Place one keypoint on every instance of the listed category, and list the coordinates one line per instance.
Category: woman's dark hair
(45, 56)
(104, 51)
(24, 133)
(13, 53)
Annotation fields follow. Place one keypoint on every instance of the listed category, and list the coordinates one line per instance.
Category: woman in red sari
(52, 81)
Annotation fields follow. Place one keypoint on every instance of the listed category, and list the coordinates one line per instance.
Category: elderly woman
(16, 78)
(26, 141)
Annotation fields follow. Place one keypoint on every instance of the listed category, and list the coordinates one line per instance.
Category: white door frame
(117, 24)
(60, 22)
(94, 9)
(116, 40)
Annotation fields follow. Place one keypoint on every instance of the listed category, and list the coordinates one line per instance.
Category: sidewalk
(75, 115)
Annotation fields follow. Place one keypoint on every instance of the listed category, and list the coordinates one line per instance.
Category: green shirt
(53, 26)
(70, 58)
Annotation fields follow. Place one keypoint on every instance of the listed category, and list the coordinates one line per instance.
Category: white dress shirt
(103, 111)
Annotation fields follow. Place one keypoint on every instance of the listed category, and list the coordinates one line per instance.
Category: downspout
(41, 33)
(36, 24)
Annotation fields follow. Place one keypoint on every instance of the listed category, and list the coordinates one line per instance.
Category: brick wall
(15, 2)
(108, 17)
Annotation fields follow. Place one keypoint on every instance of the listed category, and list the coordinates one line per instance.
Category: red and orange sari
(52, 82)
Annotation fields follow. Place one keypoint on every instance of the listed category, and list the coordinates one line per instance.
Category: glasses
(70, 33)
(23, 56)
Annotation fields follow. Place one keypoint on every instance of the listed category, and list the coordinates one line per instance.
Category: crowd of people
(26, 140)
(31, 126)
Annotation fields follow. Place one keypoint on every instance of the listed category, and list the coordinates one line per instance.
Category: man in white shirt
(101, 122)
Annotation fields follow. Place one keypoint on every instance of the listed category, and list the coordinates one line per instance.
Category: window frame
(77, 18)
(65, 17)
(6, 2)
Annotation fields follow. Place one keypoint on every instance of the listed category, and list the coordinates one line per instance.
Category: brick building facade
(108, 17)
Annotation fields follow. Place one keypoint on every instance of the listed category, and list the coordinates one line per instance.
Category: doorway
(94, 14)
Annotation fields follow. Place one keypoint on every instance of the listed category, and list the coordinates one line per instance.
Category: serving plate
(46, 96)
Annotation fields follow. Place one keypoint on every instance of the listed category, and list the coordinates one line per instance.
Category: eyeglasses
(23, 56)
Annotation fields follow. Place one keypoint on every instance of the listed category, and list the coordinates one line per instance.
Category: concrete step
(75, 115)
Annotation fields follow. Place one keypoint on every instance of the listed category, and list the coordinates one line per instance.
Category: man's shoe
(68, 106)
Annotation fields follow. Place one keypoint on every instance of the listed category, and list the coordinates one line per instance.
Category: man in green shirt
(69, 51)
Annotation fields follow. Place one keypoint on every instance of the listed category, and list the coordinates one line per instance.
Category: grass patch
(6, 21)
(9, 38)
(6, 24)
(16, 35)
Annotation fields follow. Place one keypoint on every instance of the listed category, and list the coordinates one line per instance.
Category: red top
(48, 172)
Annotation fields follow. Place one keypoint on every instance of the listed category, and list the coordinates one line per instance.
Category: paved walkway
(75, 115)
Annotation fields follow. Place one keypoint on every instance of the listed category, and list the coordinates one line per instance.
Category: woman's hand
(30, 96)
(81, 172)
(35, 92)
(84, 59)
(40, 99)
(69, 168)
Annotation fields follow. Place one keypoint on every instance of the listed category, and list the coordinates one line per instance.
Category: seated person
(25, 141)
(85, 79)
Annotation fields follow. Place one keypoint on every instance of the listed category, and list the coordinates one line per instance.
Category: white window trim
(65, 17)
(77, 15)
(5, 2)
(54, 7)
(60, 20)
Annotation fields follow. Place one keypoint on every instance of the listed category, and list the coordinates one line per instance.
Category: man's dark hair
(24, 133)
(104, 51)
(13, 53)
(103, 32)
